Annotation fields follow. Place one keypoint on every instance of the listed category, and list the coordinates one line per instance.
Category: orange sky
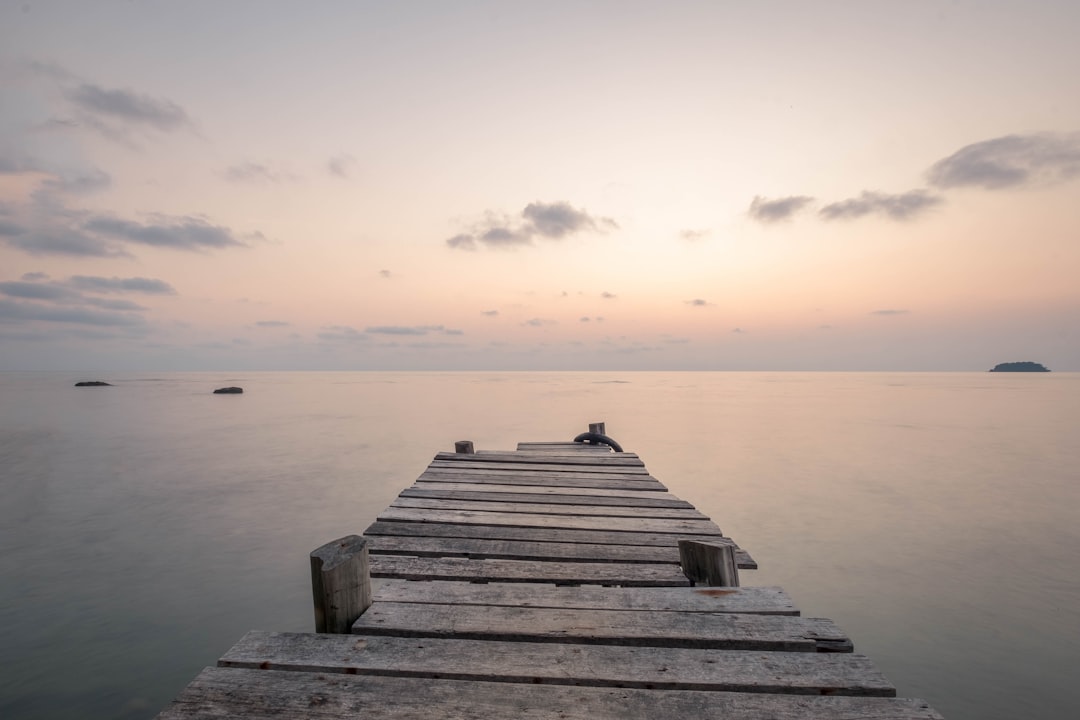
(787, 186)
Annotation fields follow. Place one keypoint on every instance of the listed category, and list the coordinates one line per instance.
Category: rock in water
(229, 391)
(93, 383)
(1026, 366)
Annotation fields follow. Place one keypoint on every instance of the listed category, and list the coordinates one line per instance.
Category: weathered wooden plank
(571, 480)
(566, 522)
(264, 694)
(484, 548)
(758, 600)
(547, 491)
(623, 459)
(560, 447)
(559, 664)
(549, 508)
(718, 631)
(469, 462)
(561, 498)
(527, 571)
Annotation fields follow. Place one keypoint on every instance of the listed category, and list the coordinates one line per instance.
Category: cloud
(385, 274)
(341, 165)
(904, 206)
(771, 211)
(550, 221)
(489, 313)
(584, 318)
(251, 172)
(34, 276)
(694, 235)
(1010, 161)
(271, 323)
(88, 182)
(59, 241)
(697, 302)
(149, 286)
(21, 311)
(738, 331)
(538, 322)
(411, 330)
(342, 333)
(36, 291)
(608, 296)
(129, 107)
(462, 242)
(181, 233)
(890, 312)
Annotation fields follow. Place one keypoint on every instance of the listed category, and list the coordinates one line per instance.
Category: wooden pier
(553, 581)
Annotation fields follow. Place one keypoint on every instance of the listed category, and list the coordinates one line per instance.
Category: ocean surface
(146, 527)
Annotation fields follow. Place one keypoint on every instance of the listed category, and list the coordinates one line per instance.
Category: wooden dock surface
(546, 583)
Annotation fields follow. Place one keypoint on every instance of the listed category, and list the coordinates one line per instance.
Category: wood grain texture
(340, 583)
(585, 510)
(469, 462)
(527, 571)
(719, 631)
(611, 459)
(264, 694)
(562, 664)
(543, 534)
(611, 524)
(757, 600)
(710, 564)
(573, 480)
(562, 496)
(494, 487)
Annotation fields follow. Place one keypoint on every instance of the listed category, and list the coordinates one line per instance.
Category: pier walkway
(548, 582)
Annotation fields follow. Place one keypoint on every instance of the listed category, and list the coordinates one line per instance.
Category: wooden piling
(340, 583)
(598, 428)
(464, 447)
(707, 563)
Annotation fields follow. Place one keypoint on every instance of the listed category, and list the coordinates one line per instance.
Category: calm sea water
(145, 527)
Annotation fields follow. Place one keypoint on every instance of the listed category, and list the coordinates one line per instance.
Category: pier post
(706, 563)
(598, 428)
(340, 583)
(464, 447)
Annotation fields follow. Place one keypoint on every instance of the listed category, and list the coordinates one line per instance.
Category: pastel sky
(539, 185)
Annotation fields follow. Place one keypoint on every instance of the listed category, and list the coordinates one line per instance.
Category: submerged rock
(229, 391)
(1026, 366)
(93, 383)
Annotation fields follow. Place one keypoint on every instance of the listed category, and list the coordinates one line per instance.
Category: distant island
(93, 383)
(1026, 366)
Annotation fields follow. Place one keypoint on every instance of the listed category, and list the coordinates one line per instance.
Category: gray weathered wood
(561, 447)
(565, 522)
(757, 600)
(480, 542)
(711, 564)
(495, 487)
(340, 583)
(549, 508)
(608, 460)
(487, 549)
(598, 428)
(562, 496)
(471, 463)
(571, 480)
(718, 631)
(249, 694)
(562, 664)
(464, 447)
(527, 571)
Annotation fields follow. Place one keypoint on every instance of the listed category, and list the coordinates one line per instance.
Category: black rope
(598, 439)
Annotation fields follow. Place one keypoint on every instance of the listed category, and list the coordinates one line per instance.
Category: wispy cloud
(538, 322)
(608, 296)
(128, 106)
(694, 235)
(489, 313)
(271, 323)
(57, 240)
(252, 172)
(182, 233)
(770, 211)
(889, 312)
(341, 165)
(411, 330)
(551, 221)
(149, 286)
(1010, 161)
(902, 207)
(342, 334)
(386, 274)
(697, 302)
